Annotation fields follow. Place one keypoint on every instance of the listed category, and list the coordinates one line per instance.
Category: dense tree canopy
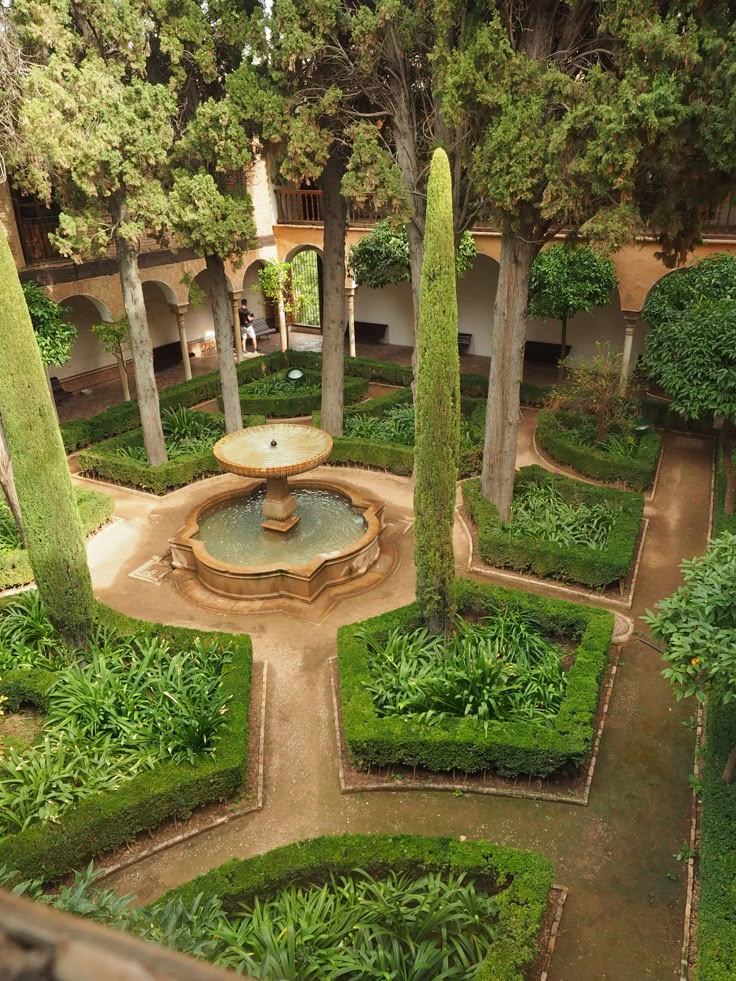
(55, 335)
(381, 257)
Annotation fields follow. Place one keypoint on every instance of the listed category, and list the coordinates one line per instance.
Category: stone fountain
(275, 452)
(290, 538)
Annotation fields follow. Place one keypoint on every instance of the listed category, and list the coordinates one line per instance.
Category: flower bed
(301, 400)
(563, 561)
(118, 459)
(519, 881)
(560, 434)
(95, 510)
(69, 831)
(455, 743)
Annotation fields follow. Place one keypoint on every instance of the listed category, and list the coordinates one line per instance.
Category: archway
(160, 301)
(89, 362)
(306, 268)
(259, 305)
(476, 296)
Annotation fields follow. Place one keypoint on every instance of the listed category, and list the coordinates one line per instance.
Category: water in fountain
(231, 532)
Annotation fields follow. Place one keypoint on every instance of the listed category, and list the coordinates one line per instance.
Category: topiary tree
(698, 625)
(593, 387)
(566, 280)
(113, 335)
(437, 443)
(691, 348)
(53, 530)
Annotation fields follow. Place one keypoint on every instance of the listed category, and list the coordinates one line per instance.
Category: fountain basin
(266, 568)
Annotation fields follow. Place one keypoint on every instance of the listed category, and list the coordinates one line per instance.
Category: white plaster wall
(476, 294)
(262, 197)
(161, 320)
(88, 354)
(391, 305)
(199, 322)
(603, 324)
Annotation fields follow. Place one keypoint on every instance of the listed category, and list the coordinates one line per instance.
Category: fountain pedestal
(279, 506)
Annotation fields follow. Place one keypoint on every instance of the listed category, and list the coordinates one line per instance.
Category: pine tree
(437, 444)
(53, 530)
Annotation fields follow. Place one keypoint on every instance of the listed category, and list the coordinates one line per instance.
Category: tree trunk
(123, 373)
(8, 484)
(224, 340)
(507, 362)
(563, 345)
(283, 332)
(53, 529)
(333, 319)
(140, 343)
(730, 769)
(727, 448)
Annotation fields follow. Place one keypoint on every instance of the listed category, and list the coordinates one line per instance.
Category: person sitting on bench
(246, 327)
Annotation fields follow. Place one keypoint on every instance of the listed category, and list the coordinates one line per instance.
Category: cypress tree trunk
(727, 448)
(563, 345)
(333, 319)
(123, 375)
(8, 484)
(221, 312)
(53, 530)
(140, 342)
(437, 445)
(507, 363)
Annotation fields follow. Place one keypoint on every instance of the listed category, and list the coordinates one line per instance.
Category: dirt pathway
(624, 914)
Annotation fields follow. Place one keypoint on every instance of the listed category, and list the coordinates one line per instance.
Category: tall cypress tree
(53, 530)
(437, 445)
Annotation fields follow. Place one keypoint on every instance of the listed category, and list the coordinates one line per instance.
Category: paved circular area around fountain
(623, 919)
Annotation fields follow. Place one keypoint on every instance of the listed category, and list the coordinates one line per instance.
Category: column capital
(631, 317)
(234, 295)
(179, 308)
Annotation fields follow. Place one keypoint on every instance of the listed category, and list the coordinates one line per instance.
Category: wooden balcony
(37, 249)
(298, 207)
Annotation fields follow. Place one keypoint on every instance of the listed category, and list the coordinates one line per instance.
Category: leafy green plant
(397, 425)
(55, 335)
(281, 385)
(186, 433)
(502, 668)
(541, 511)
(27, 636)
(10, 539)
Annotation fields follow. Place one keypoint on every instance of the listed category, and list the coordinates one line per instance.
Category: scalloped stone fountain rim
(304, 582)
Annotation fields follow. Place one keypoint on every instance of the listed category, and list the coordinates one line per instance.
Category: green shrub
(520, 881)
(637, 471)
(509, 748)
(577, 563)
(123, 417)
(721, 520)
(119, 460)
(171, 789)
(716, 937)
(95, 510)
(296, 399)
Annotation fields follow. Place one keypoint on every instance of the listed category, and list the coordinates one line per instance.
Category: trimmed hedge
(102, 461)
(95, 510)
(509, 748)
(721, 520)
(297, 403)
(523, 880)
(577, 564)
(637, 473)
(124, 417)
(169, 790)
(717, 870)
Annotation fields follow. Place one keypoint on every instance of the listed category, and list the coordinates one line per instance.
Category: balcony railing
(297, 207)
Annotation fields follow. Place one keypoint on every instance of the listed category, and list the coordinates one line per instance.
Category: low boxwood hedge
(522, 880)
(109, 820)
(104, 462)
(296, 403)
(716, 936)
(125, 416)
(577, 564)
(95, 510)
(509, 748)
(637, 472)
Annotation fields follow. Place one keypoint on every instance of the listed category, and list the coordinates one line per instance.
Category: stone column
(631, 318)
(180, 310)
(235, 300)
(350, 291)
